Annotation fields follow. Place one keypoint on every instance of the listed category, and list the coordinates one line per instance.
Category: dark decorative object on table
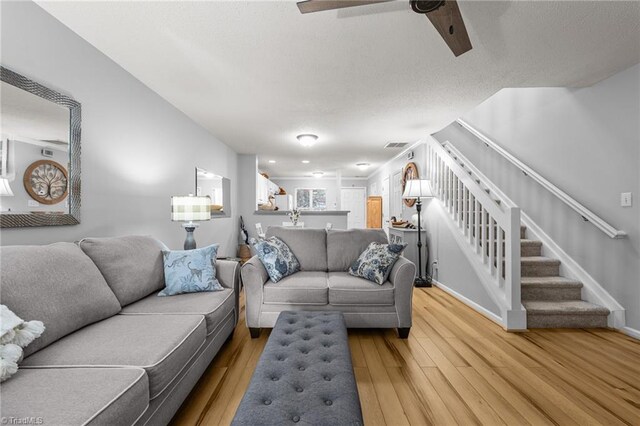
(243, 232)
(417, 189)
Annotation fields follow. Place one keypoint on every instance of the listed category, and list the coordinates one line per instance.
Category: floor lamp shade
(418, 188)
(190, 208)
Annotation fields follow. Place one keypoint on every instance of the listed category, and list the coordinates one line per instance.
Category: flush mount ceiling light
(305, 161)
(307, 139)
(272, 161)
(317, 174)
(363, 166)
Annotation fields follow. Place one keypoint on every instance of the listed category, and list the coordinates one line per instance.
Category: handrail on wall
(586, 214)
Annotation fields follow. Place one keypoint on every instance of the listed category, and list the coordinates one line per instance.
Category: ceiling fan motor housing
(426, 6)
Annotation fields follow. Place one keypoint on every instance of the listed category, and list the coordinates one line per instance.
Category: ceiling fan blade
(448, 21)
(310, 6)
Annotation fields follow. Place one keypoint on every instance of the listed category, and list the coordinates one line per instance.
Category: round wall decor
(46, 181)
(410, 172)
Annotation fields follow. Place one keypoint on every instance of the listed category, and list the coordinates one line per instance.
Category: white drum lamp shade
(418, 188)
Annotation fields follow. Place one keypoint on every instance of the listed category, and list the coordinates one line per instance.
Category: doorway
(354, 200)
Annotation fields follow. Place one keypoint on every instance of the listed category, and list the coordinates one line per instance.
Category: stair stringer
(517, 318)
(592, 291)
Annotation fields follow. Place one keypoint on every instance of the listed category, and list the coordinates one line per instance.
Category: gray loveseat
(323, 282)
(113, 352)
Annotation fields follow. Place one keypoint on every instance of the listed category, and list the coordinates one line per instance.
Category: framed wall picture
(46, 181)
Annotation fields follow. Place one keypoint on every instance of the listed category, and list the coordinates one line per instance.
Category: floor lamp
(418, 189)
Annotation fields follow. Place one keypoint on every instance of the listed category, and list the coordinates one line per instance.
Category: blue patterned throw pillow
(375, 263)
(277, 258)
(190, 271)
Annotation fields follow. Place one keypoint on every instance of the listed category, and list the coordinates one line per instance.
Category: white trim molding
(473, 305)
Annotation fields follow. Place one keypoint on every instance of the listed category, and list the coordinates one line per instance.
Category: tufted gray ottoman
(304, 375)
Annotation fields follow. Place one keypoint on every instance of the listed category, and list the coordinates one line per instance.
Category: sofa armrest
(254, 275)
(228, 275)
(402, 276)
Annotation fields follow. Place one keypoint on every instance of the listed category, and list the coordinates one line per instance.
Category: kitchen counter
(303, 212)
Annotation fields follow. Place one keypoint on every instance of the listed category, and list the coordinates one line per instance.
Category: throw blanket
(15, 334)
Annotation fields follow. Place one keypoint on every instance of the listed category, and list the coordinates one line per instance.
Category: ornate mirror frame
(409, 172)
(19, 220)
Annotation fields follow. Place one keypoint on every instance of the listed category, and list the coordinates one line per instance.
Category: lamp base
(189, 242)
(421, 282)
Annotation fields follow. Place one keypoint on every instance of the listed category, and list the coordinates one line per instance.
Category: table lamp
(188, 209)
(418, 189)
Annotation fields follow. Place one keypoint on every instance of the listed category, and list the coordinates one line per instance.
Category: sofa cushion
(376, 262)
(161, 344)
(131, 265)
(345, 289)
(308, 245)
(344, 246)
(215, 306)
(56, 284)
(76, 396)
(277, 258)
(305, 288)
(190, 271)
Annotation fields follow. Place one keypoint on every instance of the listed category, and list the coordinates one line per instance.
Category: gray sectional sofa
(113, 352)
(323, 282)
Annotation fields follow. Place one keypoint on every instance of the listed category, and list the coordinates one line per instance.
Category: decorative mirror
(39, 154)
(218, 188)
(410, 172)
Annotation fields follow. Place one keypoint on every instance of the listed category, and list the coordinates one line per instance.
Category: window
(311, 198)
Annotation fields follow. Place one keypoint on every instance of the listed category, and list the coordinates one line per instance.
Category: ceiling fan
(443, 14)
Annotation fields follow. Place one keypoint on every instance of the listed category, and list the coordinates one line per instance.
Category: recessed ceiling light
(305, 161)
(317, 174)
(272, 161)
(363, 166)
(307, 139)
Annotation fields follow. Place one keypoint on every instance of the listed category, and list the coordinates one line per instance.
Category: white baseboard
(470, 303)
(631, 332)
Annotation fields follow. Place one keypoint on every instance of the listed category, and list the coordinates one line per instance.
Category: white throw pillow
(15, 334)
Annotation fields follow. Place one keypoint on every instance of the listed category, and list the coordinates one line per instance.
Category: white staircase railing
(584, 212)
(488, 227)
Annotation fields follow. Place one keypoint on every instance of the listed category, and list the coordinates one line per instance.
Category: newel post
(516, 316)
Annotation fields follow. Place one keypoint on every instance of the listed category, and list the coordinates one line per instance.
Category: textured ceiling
(258, 73)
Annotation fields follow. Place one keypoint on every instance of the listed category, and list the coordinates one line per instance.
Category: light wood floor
(457, 367)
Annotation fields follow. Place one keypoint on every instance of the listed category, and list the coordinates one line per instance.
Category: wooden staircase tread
(563, 307)
(549, 282)
(525, 241)
(538, 259)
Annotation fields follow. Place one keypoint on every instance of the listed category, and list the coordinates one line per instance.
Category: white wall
(137, 149)
(587, 142)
